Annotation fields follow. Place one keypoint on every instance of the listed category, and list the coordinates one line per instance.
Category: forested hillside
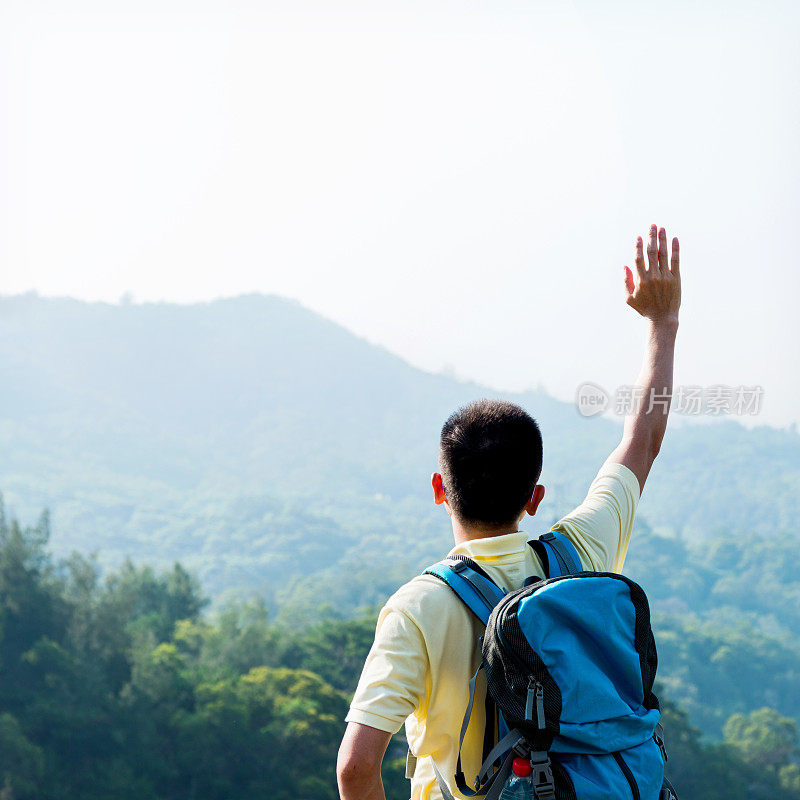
(120, 687)
(258, 442)
(278, 458)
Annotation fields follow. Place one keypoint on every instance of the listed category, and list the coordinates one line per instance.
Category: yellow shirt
(425, 648)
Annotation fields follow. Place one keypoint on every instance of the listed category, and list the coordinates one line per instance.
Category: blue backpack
(570, 662)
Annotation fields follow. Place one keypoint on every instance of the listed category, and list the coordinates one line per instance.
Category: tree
(763, 737)
(21, 761)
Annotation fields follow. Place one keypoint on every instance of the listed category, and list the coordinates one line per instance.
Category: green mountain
(270, 451)
(258, 442)
(120, 687)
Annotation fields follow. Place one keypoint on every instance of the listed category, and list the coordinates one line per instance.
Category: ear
(536, 498)
(438, 489)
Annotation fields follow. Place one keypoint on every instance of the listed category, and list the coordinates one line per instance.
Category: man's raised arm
(655, 292)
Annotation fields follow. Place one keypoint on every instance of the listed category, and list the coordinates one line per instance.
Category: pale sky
(460, 182)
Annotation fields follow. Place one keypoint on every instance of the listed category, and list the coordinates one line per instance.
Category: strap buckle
(667, 792)
(522, 749)
(542, 777)
(411, 764)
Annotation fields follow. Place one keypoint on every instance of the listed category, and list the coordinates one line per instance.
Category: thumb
(629, 285)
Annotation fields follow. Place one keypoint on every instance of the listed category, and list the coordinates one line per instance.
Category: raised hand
(656, 292)
(656, 295)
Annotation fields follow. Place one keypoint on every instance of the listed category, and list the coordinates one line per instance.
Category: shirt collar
(491, 546)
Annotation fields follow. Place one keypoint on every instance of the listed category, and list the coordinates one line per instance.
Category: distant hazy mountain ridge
(250, 435)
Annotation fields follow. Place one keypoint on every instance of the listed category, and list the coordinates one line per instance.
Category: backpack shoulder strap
(472, 585)
(480, 594)
(557, 554)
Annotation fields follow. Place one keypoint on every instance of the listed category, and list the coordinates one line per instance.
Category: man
(425, 647)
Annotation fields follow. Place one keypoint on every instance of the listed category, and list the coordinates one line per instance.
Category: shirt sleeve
(600, 527)
(394, 679)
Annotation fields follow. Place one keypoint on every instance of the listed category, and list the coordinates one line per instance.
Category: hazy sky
(458, 181)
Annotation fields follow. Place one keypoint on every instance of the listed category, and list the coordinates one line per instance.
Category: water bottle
(519, 785)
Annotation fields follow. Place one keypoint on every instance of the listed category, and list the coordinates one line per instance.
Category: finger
(652, 251)
(639, 258)
(676, 257)
(629, 285)
(663, 259)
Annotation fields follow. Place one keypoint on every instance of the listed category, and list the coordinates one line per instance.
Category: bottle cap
(521, 767)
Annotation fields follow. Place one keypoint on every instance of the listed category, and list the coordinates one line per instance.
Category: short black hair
(490, 457)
